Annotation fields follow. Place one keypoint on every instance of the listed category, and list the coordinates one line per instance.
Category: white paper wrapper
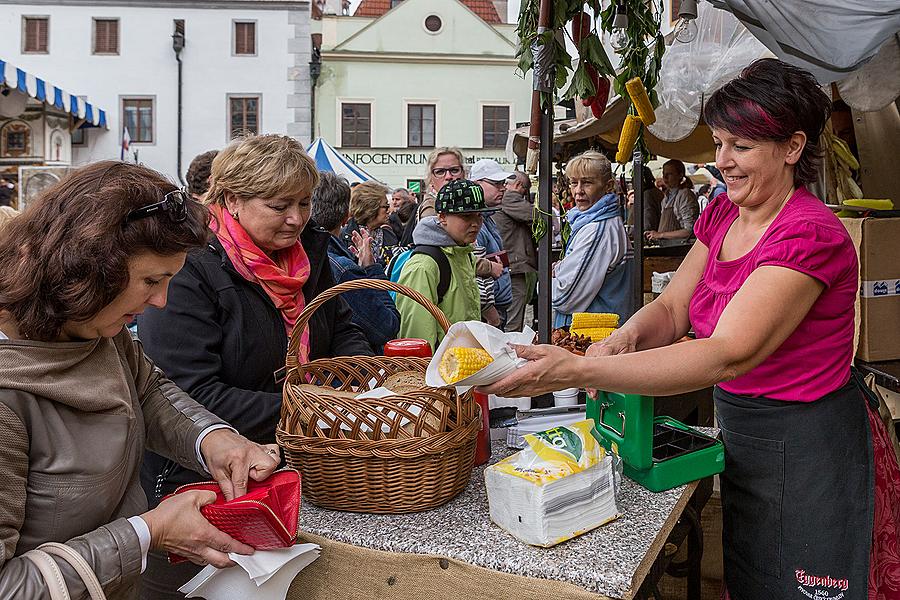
(475, 334)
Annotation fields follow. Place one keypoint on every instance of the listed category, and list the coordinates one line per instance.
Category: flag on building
(126, 142)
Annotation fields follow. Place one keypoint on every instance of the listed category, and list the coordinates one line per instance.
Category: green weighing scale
(658, 453)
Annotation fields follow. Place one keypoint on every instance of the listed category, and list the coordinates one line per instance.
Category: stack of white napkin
(562, 485)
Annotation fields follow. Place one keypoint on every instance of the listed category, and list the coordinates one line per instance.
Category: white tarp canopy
(829, 38)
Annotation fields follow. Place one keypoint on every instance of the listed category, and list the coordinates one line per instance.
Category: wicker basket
(404, 453)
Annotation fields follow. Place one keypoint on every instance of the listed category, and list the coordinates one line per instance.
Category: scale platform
(658, 453)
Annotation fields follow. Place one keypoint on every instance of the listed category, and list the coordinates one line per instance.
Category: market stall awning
(329, 159)
(696, 147)
(39, 89)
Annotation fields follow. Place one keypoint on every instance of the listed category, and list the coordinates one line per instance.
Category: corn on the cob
(881, 204)
(595, 333)
(593, 320)
(842, 151)
(628, 138)
(458, 363)
(638, 94)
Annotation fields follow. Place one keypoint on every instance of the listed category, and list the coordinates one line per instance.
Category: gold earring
(234, 215)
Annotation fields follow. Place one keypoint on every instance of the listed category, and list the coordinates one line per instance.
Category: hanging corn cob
(458, 363)
(583, 320)
(638, 94)
(627, 139)
(594, 333)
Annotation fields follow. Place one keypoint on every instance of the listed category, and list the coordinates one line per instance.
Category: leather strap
(53, 576)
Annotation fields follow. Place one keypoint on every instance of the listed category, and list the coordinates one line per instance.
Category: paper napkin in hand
(266, 575)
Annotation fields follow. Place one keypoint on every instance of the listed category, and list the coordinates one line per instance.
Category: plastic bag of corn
(475, 353)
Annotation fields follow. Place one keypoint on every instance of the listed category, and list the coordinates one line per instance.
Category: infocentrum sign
(411, 158)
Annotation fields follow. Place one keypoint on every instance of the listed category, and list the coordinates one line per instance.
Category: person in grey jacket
(514, 220)
(79, 400)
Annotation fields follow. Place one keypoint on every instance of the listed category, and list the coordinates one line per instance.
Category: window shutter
(36, 35)
(106, 36)
(245, 38)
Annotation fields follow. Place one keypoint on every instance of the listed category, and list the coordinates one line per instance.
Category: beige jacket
(74, 421)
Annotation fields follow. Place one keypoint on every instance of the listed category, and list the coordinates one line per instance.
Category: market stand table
(455, 552)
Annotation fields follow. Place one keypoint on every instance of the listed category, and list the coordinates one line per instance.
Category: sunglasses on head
(173, 204)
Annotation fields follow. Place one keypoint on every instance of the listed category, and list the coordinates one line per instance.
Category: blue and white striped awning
(329, 159)
(39, 89)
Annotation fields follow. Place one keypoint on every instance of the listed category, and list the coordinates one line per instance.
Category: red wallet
(266, 517)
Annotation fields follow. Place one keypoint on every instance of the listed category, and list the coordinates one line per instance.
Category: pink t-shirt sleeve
(811, 248)
(713, 218)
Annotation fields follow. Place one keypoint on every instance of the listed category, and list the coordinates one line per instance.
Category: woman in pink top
(811, 491)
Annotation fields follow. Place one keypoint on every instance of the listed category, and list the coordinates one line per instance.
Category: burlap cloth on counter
(349, 572)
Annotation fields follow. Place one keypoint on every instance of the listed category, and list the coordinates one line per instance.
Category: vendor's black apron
(797, 495)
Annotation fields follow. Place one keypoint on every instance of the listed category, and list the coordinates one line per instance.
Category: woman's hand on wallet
(177, 526)
(232, 459)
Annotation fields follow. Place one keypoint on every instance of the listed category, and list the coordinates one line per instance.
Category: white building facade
(244, 68)
(421, 75)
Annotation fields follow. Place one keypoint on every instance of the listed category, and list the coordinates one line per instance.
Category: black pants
(161, 580)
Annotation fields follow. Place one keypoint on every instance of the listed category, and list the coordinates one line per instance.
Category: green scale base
(658, 453)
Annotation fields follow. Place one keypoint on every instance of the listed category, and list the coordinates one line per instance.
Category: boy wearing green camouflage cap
(459, 205)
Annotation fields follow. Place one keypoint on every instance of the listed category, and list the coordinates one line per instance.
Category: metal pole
(545, 245)
(637, 232)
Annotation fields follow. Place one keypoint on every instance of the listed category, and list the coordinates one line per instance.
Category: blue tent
(329, 159)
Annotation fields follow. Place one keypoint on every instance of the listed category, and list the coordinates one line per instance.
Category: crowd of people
(104, 423)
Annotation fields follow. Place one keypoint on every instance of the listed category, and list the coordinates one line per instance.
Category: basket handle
(360, 284)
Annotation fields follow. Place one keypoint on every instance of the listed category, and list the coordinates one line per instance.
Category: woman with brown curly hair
(79, 400)
(369, 206)
(223, 336)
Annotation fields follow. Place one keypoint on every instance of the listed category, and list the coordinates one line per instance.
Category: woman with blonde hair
(445, 164)
(369, 207)
(223, 335)
(593, 275)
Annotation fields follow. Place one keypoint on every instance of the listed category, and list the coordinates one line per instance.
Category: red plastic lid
(408, 347)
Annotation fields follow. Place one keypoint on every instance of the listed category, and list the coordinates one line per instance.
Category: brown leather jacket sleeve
(113, 551)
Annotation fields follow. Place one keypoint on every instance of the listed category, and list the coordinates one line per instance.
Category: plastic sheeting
(829, 38)
(692, 71)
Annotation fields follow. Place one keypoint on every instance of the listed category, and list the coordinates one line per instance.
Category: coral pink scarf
(282, 280)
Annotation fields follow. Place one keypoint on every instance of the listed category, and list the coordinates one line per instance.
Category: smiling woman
(79, 399)
(223, 335)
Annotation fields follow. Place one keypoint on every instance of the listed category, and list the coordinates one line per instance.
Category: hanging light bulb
(619, 37)
(686, 30)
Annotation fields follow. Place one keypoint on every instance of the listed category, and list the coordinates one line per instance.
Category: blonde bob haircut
(262, 166)
(366, 200)
(436, 154)
(590, 165)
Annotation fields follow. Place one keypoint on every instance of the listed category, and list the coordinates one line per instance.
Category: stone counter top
(603, 561)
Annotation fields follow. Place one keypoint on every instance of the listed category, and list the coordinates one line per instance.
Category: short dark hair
(523, 179)
(406, 211)
(67, 256)
(199, 171)
(330, 200)
(771, 100)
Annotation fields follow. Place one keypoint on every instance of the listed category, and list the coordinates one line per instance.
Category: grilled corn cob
(595, 333)
(593, 320)
(458, 363)
(627, 138)
(638, 94)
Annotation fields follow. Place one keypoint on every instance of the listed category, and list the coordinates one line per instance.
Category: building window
(138, 118)
(35, 36)
(244, 38)
(243, 116)
(356, 125)
(420, 126)
(433, 23)
(15, 140)
(106, 36)
(494, 126)
(79, 137)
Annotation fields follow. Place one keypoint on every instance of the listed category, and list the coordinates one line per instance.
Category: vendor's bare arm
(756, 322)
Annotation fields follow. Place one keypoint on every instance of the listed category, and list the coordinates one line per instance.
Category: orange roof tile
(375, 8)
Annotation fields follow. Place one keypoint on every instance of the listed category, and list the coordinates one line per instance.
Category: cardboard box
(878, 303)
